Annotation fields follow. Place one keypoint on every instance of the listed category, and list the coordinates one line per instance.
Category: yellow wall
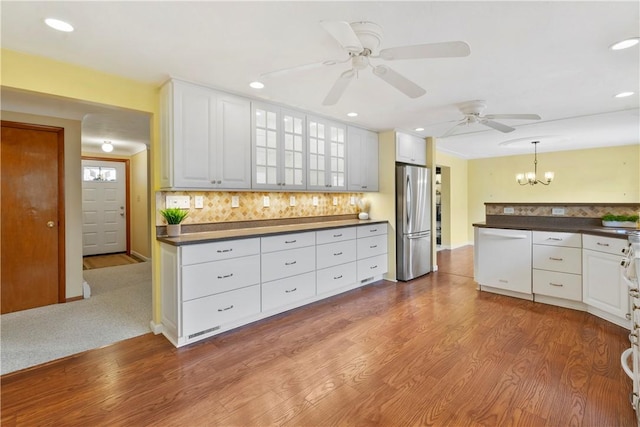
(38, 74)
(455, 203)
(72, 194)
(594, 175)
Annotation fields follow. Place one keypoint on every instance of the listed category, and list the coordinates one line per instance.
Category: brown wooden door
(32, 218)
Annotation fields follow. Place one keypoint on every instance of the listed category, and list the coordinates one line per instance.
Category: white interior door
(103, 207)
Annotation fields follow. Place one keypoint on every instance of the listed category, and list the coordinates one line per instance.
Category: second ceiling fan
(361, 41)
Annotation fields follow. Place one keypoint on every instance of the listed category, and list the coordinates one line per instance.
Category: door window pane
(97, 173)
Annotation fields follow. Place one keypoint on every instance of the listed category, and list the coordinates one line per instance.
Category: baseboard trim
(156, 328)
(72, 299)
(142, 257)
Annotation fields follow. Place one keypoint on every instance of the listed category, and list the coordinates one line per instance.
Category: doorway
(105, 206)
(32, 199)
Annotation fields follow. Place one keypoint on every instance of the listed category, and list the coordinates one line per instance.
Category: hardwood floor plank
(432, 351)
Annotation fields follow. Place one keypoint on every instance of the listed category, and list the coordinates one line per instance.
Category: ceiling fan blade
(452, 130)
(303, 67)
(398, 81)
(344, 34)
(338, 88)
(429, 50)
(497, 126)
(513, 116)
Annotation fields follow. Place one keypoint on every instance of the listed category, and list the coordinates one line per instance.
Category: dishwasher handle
(505, 236)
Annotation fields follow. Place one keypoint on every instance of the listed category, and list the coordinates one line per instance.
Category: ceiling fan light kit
(531, 177)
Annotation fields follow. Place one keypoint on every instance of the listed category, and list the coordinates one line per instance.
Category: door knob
(51, 224)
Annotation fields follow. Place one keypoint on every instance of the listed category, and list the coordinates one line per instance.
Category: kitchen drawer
(280, 293)
(332, 278)
(609, 245)
(281, 264)
(372, 246)
(206, 313)
(288, 241)
(210, 278)
(554, 238)
(370, 267)
(560, 285)
(335, 235)
(215, 251)
(557, 258)
(371, 230)
(335, 253)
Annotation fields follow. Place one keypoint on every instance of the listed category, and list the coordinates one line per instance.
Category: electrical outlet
(265, 201)
(182, 202)
(199, 202)
(315, 201)
(557, 211)
(235, 201)
(352, 200)
(292, 201)
(335, 201)
(508, 210)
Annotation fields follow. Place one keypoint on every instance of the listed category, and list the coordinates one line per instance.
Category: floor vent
(206, 331)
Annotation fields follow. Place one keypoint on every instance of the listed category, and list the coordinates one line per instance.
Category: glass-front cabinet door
(326, 155)
(279, 151)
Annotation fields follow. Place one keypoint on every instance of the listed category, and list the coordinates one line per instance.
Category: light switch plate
(292, 201)
(352, 200)
(335, 201)
(182, 202)
(557, 211)
(508, 210)
(315, 200)
(199, 202)
(265, 201)
(235, 201)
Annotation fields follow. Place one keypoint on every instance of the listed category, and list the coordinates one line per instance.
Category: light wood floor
(433, 351)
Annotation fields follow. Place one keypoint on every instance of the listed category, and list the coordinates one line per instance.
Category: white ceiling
(550, 58)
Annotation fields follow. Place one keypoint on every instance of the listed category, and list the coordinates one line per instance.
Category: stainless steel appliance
(631, 271)
(413, 221)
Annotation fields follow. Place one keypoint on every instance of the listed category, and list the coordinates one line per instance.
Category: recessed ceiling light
(624, 94)
(352, 114)
(624, 44)
(256, 85)
(59, 25)
(419, 129)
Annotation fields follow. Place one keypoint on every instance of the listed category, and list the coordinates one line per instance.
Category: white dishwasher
(502, 259)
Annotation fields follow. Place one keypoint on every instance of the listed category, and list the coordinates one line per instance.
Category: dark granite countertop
(620, 233)
(260, 231)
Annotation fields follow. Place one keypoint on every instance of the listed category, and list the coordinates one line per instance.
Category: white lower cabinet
(557, 265)
(209, 288)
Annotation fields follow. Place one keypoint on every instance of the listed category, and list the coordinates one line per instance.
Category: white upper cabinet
(411, 149)
(206, 138)
(278, 147)
(362, 158)
(326, 146)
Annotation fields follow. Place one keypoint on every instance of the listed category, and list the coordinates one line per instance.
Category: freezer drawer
(413, 257)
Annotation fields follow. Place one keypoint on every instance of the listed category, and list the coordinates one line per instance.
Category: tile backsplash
(217, 205)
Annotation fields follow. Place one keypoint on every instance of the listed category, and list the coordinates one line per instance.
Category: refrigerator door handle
(420, 236)
(408, 203)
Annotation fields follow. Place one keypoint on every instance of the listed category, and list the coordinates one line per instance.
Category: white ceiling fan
(472, 111)
(361, 41)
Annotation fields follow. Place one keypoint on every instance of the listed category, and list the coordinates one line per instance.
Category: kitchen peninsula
(555, 253)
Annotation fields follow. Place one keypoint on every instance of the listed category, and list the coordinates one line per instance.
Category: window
(97, 173)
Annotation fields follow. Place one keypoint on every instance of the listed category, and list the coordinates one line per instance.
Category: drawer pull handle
(290, 241)
(337, 277)
(227, 308)
(555, 259)
(503, 281)
(290, 263)
(628, 316)
(373, 267)
(225, 276)
(557, 239)
(337, 254)
(224, 250)
(373, 230)
(373, 247)
(290, 290)
(337, 235)
(602, 244)
(556, 284)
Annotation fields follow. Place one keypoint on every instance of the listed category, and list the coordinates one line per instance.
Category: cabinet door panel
(603, 285)
(287, 291)
(281, 264)
(336, 253)
(411, 149)
(210, 278)
(233, 152)
(202, 314)
(336, 277)
(362, 159)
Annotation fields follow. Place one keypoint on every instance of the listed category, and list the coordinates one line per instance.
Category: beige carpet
(119, 308)
(110, 260)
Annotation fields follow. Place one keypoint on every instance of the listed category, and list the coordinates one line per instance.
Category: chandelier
(531, 177)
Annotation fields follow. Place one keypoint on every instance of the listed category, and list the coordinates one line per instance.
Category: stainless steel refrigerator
(413, 221)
